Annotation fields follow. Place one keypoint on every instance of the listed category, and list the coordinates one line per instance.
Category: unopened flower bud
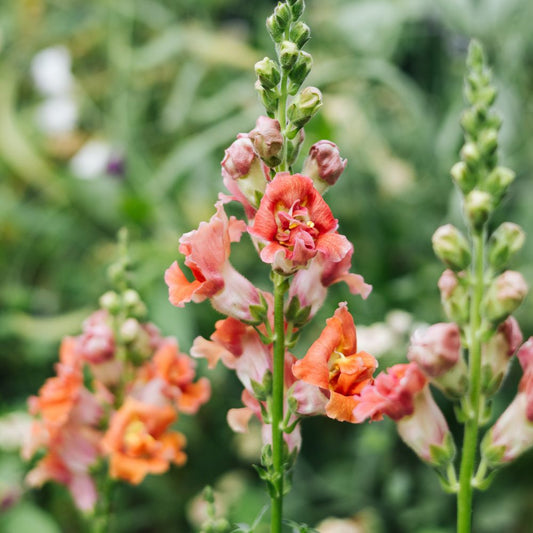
(478, 207)
(288, 54)
(297, 8)
(267, 72)
(243, 171)
(267, 140)
(324, 165)
(110, 301)
(506, 240)
(451, 247)
(512, 433)
(437, 352)
(299, 71)
(305, 105)
(505, 294)
(470, 121)
(300, 33)
(464, 178)
(470, 154)
(269, 97)
(293, 147)
(275, 28)
(129, 330)
(498, 182)
(488, 141)
(496, 354)
(131, 298)
(435, 349)
(454, 297)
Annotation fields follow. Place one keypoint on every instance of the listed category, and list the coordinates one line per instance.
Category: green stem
(474, 409)
(280, 287)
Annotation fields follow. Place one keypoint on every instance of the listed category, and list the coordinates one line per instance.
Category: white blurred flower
(50, 69)
(91, 160)
(401, 322)
(339, 525)
(15, 429)
(57, 114)
(377, 339)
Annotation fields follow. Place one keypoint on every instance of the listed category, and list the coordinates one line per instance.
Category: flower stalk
(280, 289)
(475, 407)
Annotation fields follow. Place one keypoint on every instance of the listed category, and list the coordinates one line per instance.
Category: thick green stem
(473, 406)
(280, 287)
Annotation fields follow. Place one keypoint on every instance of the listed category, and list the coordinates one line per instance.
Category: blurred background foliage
(159, 89)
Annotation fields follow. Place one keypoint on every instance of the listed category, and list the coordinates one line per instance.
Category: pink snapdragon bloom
(267, 140)
(324, 165)
(239, 347)
(295, 224)
(334, 365)
(207, 251)
(310, 285)
(512, 434)
(403, 394)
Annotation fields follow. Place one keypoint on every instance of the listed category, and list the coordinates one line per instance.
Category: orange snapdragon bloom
(334, 364)
(177, 371)
(138, 442)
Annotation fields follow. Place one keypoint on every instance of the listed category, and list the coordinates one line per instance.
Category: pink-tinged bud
(454, 296)
(525, 355)
(437, 351)
(496, 355)
(513, 432)
(324, 165)
(426, 431)
(504, 295)
(244, 174)
(97, 343)
(267, 140)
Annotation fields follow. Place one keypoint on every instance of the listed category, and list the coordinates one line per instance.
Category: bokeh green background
(168, 84)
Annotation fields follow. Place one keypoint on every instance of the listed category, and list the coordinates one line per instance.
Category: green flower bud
(275, 28)
(293, 147)
(300, 33)
(110, 301)
(488, 141)
(305, 105)
(475, 59)
(131, 298)
(478, 207)
(465, 179)
(470, 154)
(297, 8)
(282, 12)
(288, 54)
(470, 121)
(269, 97)
(505, 294)
(451, 247)
(267, 72)
(498, 182)
(299, 71)
(504, 243)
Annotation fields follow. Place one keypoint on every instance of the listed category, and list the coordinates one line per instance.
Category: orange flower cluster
(139, 382)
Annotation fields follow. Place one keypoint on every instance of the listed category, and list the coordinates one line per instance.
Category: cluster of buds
(118, 388)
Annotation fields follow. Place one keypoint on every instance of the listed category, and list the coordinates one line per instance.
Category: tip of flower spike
(475, 56)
